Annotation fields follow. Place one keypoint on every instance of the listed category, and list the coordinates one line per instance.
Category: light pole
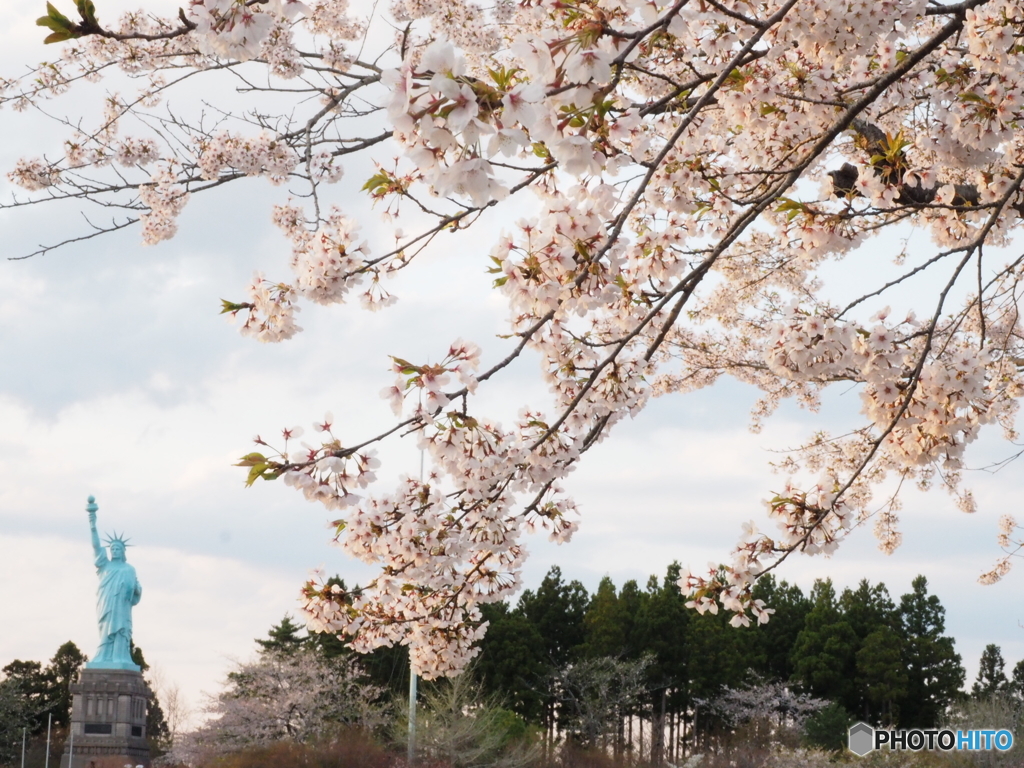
(412, 716)
(411, 755)
(49, 724)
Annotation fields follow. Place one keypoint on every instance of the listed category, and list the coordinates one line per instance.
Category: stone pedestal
(108, 720)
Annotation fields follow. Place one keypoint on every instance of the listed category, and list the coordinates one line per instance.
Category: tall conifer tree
(824, 655)
(775, 640)
(991, 675)
(935, 673)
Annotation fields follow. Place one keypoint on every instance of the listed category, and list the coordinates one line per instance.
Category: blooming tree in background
(690, 165)
(764, 703)
(293, 696)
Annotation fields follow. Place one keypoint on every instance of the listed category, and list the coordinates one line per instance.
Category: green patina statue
(119, 590)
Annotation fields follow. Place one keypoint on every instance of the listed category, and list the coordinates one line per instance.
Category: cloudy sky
(118, 378)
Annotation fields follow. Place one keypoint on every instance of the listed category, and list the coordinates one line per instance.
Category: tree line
(632, 668)
(627, 670)
(35, 698)
(874, 657)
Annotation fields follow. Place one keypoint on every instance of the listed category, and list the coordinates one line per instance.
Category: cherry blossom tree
(690, 168)
(298, 696)
(595, 694)
(768, 703)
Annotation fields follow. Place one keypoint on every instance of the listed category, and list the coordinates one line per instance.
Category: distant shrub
(459, 727)
(827, 728)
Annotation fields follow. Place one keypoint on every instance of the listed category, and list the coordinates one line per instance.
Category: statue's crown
(118, 538)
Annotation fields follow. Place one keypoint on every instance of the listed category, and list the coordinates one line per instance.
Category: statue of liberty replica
(118, 592)
(109, 701)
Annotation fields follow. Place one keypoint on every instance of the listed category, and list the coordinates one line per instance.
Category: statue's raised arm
(119, 590)
(92, 507)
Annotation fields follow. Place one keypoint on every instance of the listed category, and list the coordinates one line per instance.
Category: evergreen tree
(632, 601)
(870, 612)
(773, 642)
(30, 681)
(935, 673)
(607, 626)
(660, 632)
(33, 692)
(881, 662)
(558, 610)
(60, 673)
(283, 638)
(881, 678)
(720, 654)
(648, 628)
(157, 733)
(387, 668)
(329, 646)
(824, 655)
(1017, 680)
(868, 608)
(661, 629)
(991, 677)
(511, 665)
(827, 728)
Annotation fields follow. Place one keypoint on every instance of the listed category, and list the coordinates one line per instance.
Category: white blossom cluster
(237, 30)
(685, 172)
(165, 198)
(934, 412)
(260, 155)
(441, 558)
(1012, 542)
(330, 261)
(131, 151)
(34, 175)
(270, 310)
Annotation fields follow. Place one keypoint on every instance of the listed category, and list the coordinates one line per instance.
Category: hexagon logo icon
(861, 739)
